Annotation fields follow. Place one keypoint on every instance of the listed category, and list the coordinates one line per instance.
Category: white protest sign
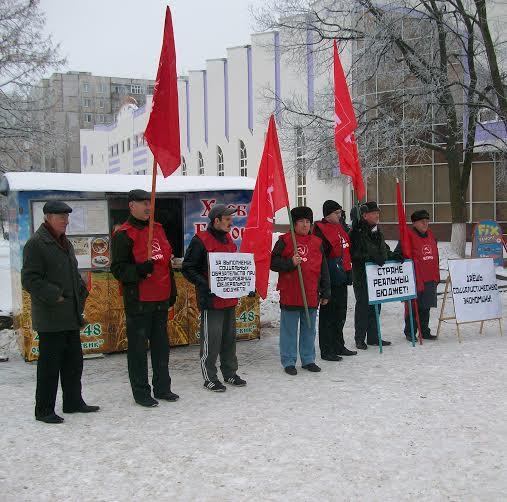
(393, 282)
(474, 290)
(231, 275)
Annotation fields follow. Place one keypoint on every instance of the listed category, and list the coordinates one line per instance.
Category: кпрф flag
(163, 130)
(269, 196)
(345, 125)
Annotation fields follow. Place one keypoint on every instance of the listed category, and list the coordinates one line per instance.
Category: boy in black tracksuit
(218, 316)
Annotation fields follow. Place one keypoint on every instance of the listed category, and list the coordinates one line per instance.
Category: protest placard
(474, 290)
(393, 282)
(231, 275)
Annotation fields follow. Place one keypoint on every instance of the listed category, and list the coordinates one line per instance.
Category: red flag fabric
(163, 130)
(406, 248)
(345, 125)
(269, 196)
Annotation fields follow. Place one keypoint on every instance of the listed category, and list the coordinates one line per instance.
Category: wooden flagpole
(300, 274)
(152, 208)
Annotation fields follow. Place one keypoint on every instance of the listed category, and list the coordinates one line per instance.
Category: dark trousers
(365, 320)
(60, 356)
(152, 327)
(424, 319)
(218, 336)
(332, 320)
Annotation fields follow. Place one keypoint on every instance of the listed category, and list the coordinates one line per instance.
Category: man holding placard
(367, 245)
(218, 315)
(424, 252)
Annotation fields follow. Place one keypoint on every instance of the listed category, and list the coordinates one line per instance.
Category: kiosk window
(168, 212)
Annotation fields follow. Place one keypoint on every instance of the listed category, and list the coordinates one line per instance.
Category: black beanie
(330, 206)
(301, 212)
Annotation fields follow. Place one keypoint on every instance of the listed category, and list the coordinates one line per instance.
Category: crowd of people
(326, 257)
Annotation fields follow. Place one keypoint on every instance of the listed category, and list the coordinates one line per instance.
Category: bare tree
(26, 54)
(419, 73)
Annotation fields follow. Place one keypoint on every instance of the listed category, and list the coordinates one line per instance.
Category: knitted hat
(330, 206)
(300, 213)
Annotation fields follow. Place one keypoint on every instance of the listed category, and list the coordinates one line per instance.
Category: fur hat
(422, 214)
(300, 213)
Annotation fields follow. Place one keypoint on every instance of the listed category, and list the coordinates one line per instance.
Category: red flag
(269, 196)
(163, 130)
(345, 125)
(406, 248)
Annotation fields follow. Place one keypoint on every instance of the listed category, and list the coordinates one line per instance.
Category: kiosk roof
(118, 183)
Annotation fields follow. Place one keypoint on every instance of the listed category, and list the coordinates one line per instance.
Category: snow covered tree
(420, 75)
(26, 54)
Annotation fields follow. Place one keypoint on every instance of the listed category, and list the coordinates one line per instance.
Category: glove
(379, 260)
(349, 278)
(145, 268)
(251, 294)
(398, 257)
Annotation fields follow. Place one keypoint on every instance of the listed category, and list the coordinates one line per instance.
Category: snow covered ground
(423, 423)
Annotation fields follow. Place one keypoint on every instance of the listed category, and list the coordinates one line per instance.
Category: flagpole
(152, 207)
(300, 273)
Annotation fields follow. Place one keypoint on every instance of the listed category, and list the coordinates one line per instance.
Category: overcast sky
(123, 37)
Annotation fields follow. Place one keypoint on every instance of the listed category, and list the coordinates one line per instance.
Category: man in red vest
(427, 271)
(149, 290)
(332, 316)
(284, 260)
(218, 315)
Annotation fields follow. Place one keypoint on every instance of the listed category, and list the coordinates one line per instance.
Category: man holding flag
(419, 244)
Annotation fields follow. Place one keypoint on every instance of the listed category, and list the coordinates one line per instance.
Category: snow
(424, 423)
(120, 183)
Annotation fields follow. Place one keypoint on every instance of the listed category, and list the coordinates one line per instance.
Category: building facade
(223, 114)
(79, 101)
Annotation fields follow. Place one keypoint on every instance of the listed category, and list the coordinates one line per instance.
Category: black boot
(291, 370)
(343, 351)
(82, 408)
(331, 357)
(385, 343)
(311, 367)
(50, 419)
(168, 396)
(361, 345)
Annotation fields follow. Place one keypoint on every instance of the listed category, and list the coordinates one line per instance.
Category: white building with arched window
(224, 112)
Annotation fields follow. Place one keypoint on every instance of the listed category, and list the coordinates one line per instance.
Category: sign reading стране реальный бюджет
(231, 275)
(392, 282)
(474, 290)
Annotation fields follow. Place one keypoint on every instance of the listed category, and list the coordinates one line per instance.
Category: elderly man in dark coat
(58, 294)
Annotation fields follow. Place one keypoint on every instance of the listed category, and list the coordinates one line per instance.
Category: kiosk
(99, 203)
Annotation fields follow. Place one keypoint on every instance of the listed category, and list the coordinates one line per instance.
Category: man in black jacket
(58, 295)
(332, 317)
(149, 290)
(218, 315)
(368, 245)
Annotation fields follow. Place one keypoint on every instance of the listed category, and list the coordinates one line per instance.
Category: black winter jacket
(49, 272)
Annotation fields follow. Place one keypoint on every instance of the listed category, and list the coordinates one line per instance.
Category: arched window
(200, 164)
(220, 162)
(243, 159)
(300, 167)
(183, 166)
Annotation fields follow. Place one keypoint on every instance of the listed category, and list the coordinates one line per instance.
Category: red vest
(309, 248)
(157, 287)
(213, 245)
(339, 241)
(426, 259)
